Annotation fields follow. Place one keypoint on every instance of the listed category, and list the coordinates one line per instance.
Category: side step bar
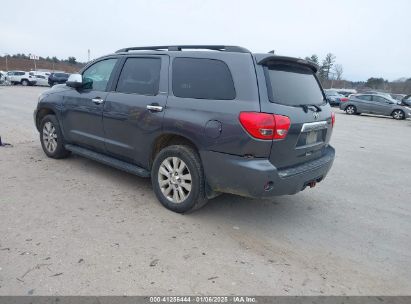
(107, 160)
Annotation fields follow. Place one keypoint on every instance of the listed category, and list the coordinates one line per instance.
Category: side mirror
(75, 81)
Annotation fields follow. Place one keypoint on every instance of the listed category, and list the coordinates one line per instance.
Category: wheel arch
(41, 113)
(168, 139)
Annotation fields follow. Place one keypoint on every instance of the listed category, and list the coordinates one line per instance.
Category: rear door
(291, 89)
(134, 109)
(363, 103)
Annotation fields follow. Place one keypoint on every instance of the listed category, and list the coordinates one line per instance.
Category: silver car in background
(375, 104)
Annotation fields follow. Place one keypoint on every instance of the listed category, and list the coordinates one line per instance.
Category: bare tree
(327, 65)
(338, 70)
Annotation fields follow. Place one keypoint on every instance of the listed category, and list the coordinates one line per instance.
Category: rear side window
(140, 76)
(292, 85)
(202, 78)
(364, 97)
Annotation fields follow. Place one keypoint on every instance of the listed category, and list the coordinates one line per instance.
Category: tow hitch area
(312, 184)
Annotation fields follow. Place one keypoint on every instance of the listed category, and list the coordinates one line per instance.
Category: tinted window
(140, 76)
(202, 79)
(20, 73)
(292, 85)
(96, 77)
(364, 97)
(379, 99)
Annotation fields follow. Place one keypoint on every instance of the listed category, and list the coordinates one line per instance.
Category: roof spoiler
(273, 58)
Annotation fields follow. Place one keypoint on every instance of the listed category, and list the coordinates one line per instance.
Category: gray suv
(199, 120)
(375, 104)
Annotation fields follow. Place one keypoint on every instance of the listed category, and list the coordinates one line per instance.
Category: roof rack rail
(225, 48)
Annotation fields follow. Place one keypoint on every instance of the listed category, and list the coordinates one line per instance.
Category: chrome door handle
(98, 100)
(154, 108)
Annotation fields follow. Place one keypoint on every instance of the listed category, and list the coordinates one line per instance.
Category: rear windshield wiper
(307, 106)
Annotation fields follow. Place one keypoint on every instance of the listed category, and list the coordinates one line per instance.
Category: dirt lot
(73, 226)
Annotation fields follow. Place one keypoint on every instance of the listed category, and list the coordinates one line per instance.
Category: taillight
(332, 119)
(344, 99)
(264, 125)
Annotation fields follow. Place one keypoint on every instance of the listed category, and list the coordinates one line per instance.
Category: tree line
(330, 75)
(69, 60)
(328, 69)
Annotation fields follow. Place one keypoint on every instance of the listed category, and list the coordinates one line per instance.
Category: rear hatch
(294, 91)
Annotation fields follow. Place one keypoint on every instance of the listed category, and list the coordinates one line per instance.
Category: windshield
(293, 85)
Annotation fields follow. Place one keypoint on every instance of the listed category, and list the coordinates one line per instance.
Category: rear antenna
(271, 52)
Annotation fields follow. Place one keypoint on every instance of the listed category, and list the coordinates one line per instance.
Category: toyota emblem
(316, 115)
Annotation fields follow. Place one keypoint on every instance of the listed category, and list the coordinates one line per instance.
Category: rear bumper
(258, 178)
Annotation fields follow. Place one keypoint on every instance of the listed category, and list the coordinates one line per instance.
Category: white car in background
(20, 77)
(41, 80)
(40, 77)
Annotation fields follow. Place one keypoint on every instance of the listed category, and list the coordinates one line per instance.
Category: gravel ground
(76, 227)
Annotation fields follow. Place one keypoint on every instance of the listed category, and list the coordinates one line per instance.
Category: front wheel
(51, 138)
(398, 114)
(178, 179)
(350, 110)
(24, 82)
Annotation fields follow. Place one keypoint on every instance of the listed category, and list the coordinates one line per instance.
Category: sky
(368, 38)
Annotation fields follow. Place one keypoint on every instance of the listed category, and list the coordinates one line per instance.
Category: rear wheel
(398, 114)
(51, 138)
(51, 83)
(178, 179)
(350, 110)
(24, 82)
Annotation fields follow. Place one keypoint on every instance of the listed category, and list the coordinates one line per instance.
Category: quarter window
(96, 77)
(202, 79)
(140, 76)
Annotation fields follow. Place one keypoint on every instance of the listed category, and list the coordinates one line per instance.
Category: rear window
(292, 85)
(202, 78)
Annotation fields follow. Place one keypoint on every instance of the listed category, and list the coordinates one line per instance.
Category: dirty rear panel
(283, 93)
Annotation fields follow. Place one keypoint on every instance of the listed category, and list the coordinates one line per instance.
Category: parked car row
(380, 104)
(334, 98)
(36, 78)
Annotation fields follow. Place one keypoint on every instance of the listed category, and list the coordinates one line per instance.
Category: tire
(179, 170)
(51, 138)
(351, 110)
(51, 84)
(398, 114)
(25, 82)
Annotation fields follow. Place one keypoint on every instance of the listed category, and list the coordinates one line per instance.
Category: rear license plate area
(311, 138)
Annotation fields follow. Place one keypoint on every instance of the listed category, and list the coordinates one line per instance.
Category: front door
(381, 105)
(133, 111)
(83, 108)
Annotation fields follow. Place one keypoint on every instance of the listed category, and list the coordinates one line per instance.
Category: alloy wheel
(174, 179)
(398, 114)
(350, 110)
(49, 137)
